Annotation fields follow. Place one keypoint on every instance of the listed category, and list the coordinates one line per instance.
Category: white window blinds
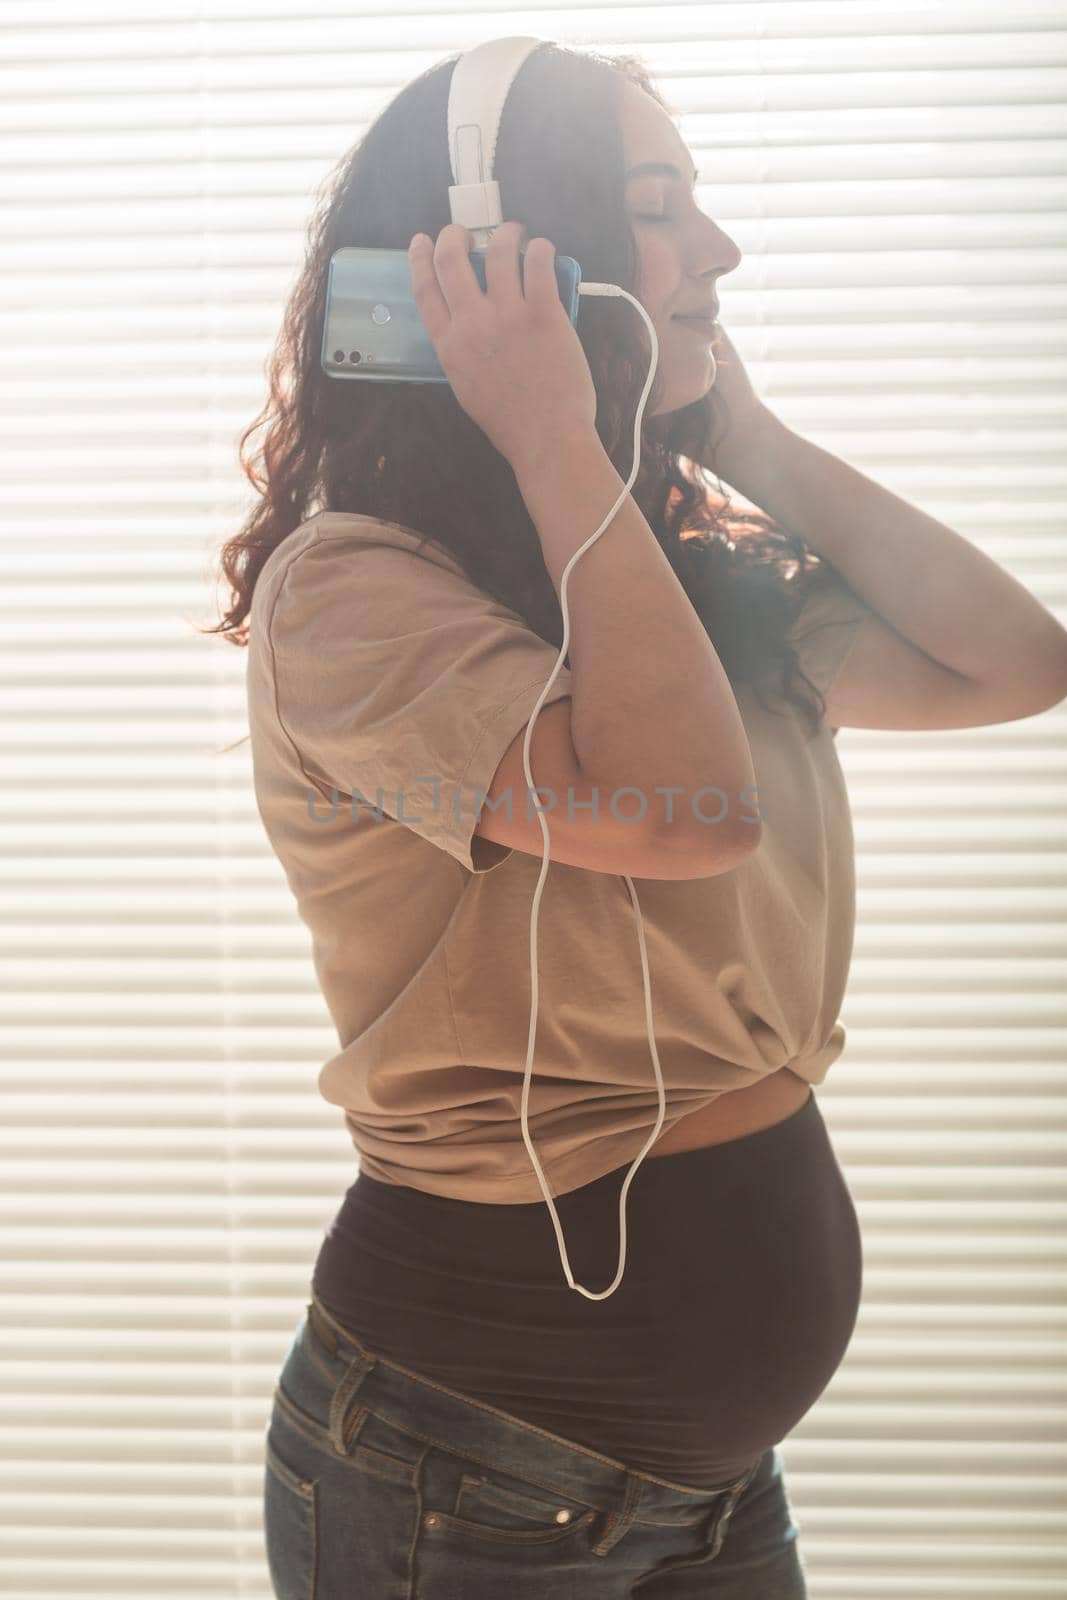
(895, 178)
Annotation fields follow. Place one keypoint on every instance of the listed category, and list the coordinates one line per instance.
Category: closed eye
(641, 217)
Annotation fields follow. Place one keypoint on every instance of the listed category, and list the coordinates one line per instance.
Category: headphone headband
(481, 82)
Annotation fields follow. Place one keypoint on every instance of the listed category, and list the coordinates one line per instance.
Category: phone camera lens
(355, 356)
(338, 356)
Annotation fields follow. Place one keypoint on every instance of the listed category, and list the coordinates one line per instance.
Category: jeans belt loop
(721, 1520)
(342, 1396)
(619, 1522)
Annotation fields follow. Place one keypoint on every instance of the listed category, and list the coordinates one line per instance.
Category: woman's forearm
(932, 585)
(652, 706)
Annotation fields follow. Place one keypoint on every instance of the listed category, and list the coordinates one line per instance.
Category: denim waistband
(367, 1382)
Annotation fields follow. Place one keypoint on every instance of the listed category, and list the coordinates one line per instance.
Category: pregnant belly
(741, 1288)
(736, 1114)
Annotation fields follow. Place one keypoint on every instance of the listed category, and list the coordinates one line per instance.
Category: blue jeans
(381, 1485)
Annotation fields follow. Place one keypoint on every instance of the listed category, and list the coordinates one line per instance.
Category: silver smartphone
(372, 327)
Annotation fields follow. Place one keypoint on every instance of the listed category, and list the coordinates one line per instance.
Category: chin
(681, 396)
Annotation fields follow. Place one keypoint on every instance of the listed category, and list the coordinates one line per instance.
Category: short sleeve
(394, 672)
(825, 630)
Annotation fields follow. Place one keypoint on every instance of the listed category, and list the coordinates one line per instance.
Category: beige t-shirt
(374, 665)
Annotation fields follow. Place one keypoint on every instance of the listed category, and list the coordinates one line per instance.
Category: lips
(705, 318)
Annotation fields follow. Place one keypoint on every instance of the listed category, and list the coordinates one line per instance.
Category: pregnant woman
(452, 1418)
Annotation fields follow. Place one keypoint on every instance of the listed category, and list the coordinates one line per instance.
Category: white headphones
(481, 81)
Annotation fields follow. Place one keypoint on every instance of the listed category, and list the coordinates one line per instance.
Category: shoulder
(338, 534)
(330, 536)
(340, 565)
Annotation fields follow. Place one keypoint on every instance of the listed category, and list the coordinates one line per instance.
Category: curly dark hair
(408, 453)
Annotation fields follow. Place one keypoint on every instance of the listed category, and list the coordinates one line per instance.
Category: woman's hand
(746, 419)
(512, 355)
(733, 384)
